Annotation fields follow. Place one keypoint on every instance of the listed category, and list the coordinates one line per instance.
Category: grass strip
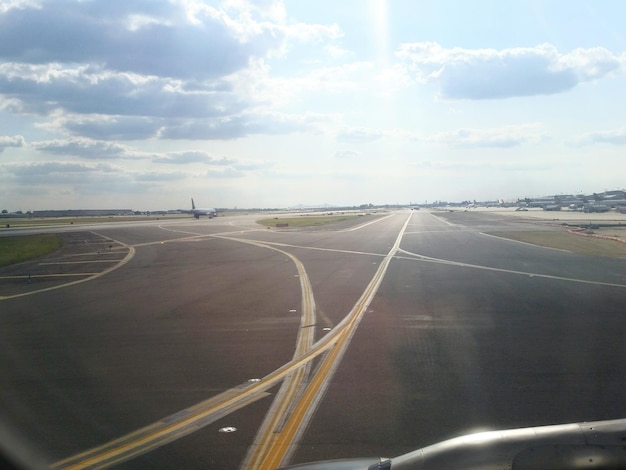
(17, 222)
(568, 241)
(305, 221)
(17, 249)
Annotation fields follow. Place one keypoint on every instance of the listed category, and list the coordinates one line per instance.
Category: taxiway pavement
(465, 331)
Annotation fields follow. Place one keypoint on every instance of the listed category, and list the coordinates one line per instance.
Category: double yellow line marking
(186, 421)
(198, 416)
(283, 442)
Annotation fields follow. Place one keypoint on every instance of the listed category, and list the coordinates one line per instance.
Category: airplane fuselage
(210, 213)
(197, 211)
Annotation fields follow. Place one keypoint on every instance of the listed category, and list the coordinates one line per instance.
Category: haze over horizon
(144, 105)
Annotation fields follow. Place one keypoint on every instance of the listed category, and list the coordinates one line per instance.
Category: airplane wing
(593, 445)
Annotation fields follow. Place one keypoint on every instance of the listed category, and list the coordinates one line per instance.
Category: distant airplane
(197, 212)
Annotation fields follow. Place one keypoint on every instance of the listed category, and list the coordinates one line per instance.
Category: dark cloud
(47, 173)
(83, 148)
(103, 150)
(138, 69)
(477, 74)
(86, 178)
(83, 90)
(50, 168)
(119, 69)
(146, 37)
(112, 127)
(234, 126)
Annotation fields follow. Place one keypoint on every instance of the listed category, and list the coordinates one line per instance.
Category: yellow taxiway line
(301, 413)
(198, 416)
(201, 414)
(185, 421)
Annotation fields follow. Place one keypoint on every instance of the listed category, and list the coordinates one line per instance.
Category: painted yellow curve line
(200, 415)
(159, 433)
(191, 419)
(283, 441)
(185, 421)
(290, 388)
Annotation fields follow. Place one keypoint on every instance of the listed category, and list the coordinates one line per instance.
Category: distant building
(596, 202)
(595, 208)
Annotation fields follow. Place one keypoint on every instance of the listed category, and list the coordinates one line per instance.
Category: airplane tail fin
(193, 206)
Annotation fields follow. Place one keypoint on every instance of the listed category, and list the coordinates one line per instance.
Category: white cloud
(503, 137)
(86, 178)
(346, 78)
(359, 135)
(84, 148)
(7, 5)
(484, 166)
(313, 32)
(55, 172)
(614, 136)
(253, 165)
(277, 89)
(103, 150)
(86, 89)
(173, 39)
(98, 127)
(346, 154)
(491, 74)
(179, 69)
(192, 156)
(367, 134)
(159, 176)
(337, 52)
(11, 141)
(134, 22)
(241, 125)
(271, 9)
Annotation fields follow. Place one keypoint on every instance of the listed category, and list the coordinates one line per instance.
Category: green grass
(17, 249)
(306, 221)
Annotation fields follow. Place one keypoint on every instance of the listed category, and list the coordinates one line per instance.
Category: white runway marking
(428, 259)
(129, 256)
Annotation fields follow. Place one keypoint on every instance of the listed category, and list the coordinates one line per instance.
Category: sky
(143, 104)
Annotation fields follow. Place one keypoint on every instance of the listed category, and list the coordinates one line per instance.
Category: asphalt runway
(466, 331)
